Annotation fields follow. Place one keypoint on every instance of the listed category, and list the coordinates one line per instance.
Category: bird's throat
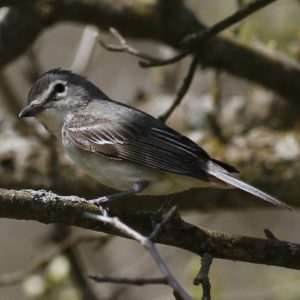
(53, 120)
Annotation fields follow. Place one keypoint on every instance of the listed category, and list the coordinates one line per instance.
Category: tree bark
(48, 208)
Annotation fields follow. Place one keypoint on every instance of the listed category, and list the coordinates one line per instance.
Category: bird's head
(58, 94)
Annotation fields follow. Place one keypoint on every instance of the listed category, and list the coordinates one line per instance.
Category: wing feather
(153, 145)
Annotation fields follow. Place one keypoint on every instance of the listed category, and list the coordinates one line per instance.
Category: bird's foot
(156, 219)
(101, 202)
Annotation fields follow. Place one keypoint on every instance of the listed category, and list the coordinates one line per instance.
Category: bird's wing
(150, 143)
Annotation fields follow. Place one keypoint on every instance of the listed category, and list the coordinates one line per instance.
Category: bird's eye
(59, 88)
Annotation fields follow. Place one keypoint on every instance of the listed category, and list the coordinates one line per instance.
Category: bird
(122, 147)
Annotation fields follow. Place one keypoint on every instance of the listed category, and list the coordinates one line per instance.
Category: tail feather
(236, 182)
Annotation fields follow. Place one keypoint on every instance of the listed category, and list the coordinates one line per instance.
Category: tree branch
(186, 83)
(197, 39)
(148, 245)
(157, 21)
(202, 277)
(125, 280)
(47, 208)
(126, 48)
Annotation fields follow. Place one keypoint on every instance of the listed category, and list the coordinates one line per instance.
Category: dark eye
(59, 88)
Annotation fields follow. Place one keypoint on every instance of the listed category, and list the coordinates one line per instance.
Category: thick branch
(19, 27)
(50, 208)
(164, 21)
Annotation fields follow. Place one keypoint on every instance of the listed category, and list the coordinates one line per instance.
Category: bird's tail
(236, 182)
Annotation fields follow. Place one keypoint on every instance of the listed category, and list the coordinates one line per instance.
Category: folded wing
(152, 144)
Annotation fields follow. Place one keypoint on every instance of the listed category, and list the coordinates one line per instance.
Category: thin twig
(46, 257)
(183, 89)
(148, 23)
(164, 220)
(164, 62)
(190, 41)
(198, 38)
(148, 245)
(147, 60)
(125, 47)
(205, 35)
(125, 280)
(202, 277)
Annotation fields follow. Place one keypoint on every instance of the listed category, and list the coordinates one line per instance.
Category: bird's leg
(157, 216)
(137, 187)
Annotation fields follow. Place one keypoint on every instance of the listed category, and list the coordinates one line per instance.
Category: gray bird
(122, 147)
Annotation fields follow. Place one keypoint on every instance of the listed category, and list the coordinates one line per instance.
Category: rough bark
(49, 208)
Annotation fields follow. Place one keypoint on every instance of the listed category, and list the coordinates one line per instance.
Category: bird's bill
(30, 110)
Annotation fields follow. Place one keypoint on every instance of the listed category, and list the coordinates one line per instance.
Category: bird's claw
(101, 202)
(156, 219)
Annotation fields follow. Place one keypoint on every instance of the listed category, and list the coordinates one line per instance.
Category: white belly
(121, 175)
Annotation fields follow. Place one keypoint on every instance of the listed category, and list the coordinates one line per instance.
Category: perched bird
(122, 147)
